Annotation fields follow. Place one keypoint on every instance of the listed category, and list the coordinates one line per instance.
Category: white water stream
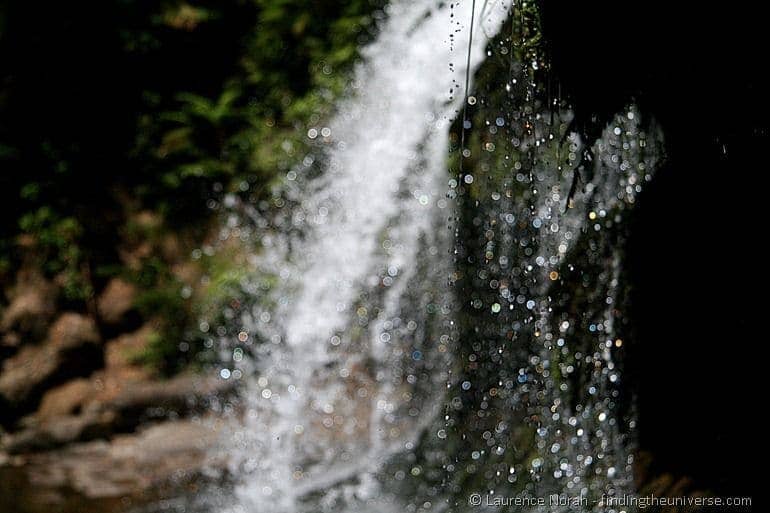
(353, 375)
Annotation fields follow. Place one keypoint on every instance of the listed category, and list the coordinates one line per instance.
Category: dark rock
(9, 344)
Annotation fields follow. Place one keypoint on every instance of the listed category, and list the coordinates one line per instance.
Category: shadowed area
(694, 255)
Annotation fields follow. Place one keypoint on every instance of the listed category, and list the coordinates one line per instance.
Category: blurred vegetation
(126, 106)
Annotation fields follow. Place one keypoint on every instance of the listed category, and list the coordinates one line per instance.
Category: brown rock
(67, 399)
(116, 302)
(121, 352)
(31, 309)
(171, 247)
(133, 257)
(104, 406)
(70, 350)
(147, 220)
(65, 430)
(129, 465)
(180, 394)
(10, 340)
(73, 330)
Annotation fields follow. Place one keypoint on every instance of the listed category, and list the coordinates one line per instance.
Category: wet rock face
(71, 348)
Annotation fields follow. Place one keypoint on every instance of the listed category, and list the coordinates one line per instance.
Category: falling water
(361, 398)
(353, 371)
(537, 408)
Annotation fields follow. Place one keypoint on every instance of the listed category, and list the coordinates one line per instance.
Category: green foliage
(206, 92)
(166, 303)
(164, 300)
(225, 288)
(134, 105)
(57, 249)
(245, 132)
(178, 315)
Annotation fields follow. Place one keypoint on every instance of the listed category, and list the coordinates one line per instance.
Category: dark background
(695, 262)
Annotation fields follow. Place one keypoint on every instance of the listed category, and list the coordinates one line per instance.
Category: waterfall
(354, 369)
(359, 395)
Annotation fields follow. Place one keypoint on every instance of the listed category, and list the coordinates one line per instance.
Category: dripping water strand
(460, 173)
(467, 85)
(462, 156)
